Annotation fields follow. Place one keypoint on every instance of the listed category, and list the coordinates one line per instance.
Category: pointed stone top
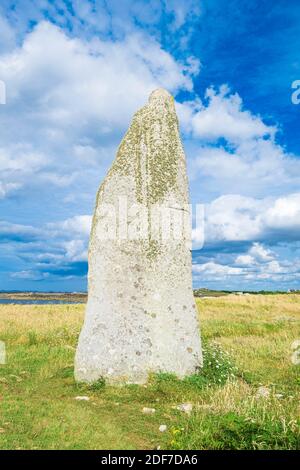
(159, 94)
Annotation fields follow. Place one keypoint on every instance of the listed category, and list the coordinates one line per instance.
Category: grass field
(247, 345)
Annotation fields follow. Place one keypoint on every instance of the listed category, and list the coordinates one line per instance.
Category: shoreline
(71, 296)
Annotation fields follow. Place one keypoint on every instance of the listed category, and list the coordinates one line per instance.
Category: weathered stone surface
(141, 315)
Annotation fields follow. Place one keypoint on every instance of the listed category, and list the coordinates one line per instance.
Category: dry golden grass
(37, 389)
(258, 330)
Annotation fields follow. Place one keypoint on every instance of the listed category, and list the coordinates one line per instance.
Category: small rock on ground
(162, 428)
(262, 392)
(148, 411)
(82, 398)
(185, 407)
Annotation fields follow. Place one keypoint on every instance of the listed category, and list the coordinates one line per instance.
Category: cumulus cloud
(223, 117)
(72, 236)
(79, 224)
(52, 251)
(235, 218)
(257, 254)
(73, 99)
(236, 148)
(216, 270)
(69, 101)
(251, 270)
(284, 215)
(245, 230)
(76, 250)
(72, 88)
(256, 167)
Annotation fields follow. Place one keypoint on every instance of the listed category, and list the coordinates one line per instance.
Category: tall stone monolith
(141, 315)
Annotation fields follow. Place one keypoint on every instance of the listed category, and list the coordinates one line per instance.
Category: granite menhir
(141, 316)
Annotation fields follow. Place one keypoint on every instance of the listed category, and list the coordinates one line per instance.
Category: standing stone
(141, 316)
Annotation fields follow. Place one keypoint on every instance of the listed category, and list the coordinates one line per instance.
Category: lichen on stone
(154, 136)
(138, 288)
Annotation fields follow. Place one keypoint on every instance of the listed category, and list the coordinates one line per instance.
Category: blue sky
(76, 71)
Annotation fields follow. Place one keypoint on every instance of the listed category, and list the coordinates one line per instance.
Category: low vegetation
(246, 397)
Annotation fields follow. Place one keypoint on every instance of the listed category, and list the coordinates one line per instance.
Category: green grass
(247, 344)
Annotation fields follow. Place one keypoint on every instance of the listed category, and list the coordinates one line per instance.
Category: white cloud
(70, 238)
(79, 224)
(273, 272)
(60, 249)
(52, 251)
(235, 218)
(260, 253)
(250, 160)
(29, 275)
(19, 158)
(69, 79)
(251, 269)
(224, 117)
(265, 207)
(245, 260)
(6, 188)
(76, 250)
(255, 167)
(18, 231)
(285, 213)
(71, 100)
(256, 255)
(19, 164)
(218, 271)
